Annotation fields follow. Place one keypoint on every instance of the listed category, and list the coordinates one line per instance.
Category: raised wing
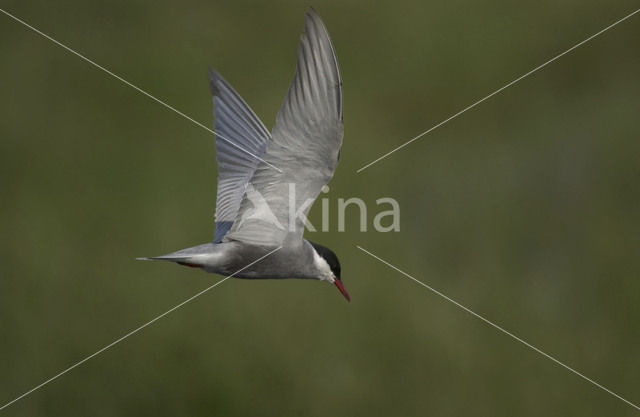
(241, 140)
(306, 145)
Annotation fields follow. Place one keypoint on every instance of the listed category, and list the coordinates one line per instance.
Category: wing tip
(311, 15)
(214, 77)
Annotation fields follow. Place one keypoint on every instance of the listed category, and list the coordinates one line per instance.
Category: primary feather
(305, 145)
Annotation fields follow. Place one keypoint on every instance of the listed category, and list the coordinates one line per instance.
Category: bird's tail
(195, 256)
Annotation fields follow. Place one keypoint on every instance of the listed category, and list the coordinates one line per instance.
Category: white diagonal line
(135, 331)
(136, 88)
(546, 355)
(496, 92)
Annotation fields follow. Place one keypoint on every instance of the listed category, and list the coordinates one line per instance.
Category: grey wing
(305, 146)
(241, 140)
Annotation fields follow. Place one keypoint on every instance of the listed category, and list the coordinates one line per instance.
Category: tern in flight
(267, 182)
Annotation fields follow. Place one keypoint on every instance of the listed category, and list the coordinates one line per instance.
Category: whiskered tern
(267, 181)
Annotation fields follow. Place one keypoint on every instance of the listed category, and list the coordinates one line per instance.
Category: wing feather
(241, 141)
(305, 146)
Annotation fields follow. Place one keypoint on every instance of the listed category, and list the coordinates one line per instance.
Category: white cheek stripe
(323, 266)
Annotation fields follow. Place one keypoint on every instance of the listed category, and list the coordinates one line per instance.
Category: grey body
(256, 170)
(295, 261)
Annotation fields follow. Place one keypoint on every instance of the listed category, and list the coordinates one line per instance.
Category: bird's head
(326, 261)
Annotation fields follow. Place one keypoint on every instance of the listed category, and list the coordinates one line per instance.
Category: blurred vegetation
(525, 209)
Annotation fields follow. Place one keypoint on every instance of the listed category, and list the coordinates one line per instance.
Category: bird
(264, 178)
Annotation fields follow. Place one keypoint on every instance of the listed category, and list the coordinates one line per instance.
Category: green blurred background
(524, 209)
